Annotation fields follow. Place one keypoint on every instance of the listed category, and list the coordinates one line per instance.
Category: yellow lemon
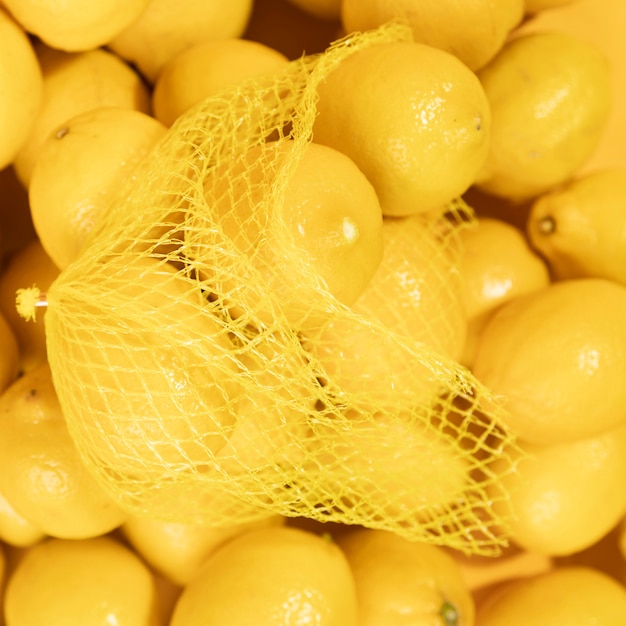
(153, 372)
(9, 361)
(72, 25)
(279, 575)
(89, 582)
(556, 356)
(413, 118)
(472, 31)
(578, 228)
(481, 573)
(405, 582)
(278, 397)
(79, 170)
(43, 477)
(22, 87)
(417, 290)
(398, 466)
(28, 266)
(566, 496)
(206, 68)
(599, 22)
(547, 117)
(73, 83)
(325, 234)
(359, 358)
(497, 265)
(178, 550)
(324, 9)
(576, 596)
(16, 530)
(166, 28)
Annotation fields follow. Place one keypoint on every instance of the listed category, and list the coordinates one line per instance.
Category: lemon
(566, 496)
(547, 117)
(166, 28)
(73, 83)
(417, 290)
(326, 233)
(279, 392)
(556, 356)
(599, 22)
(205, 69)
(367, 361)
(413, 118)
(73, 26)
(89, 582)
(80, 167)
(405, 582)
(398, 466)
(16, 530)
(42, 475)
(497, 265)
(472, 31)
(9, 361)
(578, 228)
(22, 88)
(149, 400)
(577, 596)
(280, 575)
(481, 573)
(178, 550)
(28, 266)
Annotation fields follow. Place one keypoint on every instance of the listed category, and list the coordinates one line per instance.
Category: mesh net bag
(192, 395)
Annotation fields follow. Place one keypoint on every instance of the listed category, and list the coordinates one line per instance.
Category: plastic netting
(193, 396)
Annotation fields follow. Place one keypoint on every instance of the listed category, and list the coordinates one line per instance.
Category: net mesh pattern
(193, 396)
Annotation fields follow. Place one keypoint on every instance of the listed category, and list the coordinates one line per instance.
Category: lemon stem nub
(547, 225)
(27, 300)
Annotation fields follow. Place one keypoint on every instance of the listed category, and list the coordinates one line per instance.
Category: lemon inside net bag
(193, 395)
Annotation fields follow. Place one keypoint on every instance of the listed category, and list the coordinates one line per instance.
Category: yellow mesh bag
(192, 396)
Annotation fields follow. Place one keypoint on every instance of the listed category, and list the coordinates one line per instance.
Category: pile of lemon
(519, 107)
